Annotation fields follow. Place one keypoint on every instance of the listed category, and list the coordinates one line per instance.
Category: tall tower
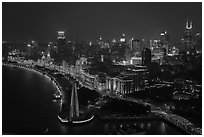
(188, 36)
(100, 42)
(164, 40)
(122, 39)
(61, 38)
(74, 106)
(136, 47)
(61, 34)
(146, 57)
(61, 47)
(188, 28)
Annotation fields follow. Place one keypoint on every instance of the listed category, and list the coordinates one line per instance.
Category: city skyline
(88, 21)
(113, 68)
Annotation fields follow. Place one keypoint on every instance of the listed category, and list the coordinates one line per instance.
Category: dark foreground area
(28, 108)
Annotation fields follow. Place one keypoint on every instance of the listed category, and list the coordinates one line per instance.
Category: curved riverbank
(58, 87)
(27, 102)
(91, 128)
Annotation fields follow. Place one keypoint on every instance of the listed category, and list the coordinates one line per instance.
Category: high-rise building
(198, 41)
(29, 49)
(187, 40)
(61, 38)
(157, 51)
(145, 43)
(188, 28)
(61, 34)
(49, 47)
(146, 57)
(130, 43)
(164, 40)
(122, 39)
(102, 44)
(61, 46)
(136, 47)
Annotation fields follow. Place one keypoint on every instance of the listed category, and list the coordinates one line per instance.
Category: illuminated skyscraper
(122, 39)
(188, 28)
(157, 51)
(145, 43)
(164, 40)
(130, 43)
(136, 47)
(187, 40)
(100, 42)
(61, 34)
(198, 41)
(61, 38)
(61, 46)
(29, 49)
(49, 46)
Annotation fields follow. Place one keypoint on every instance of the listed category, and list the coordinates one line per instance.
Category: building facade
(129, 81)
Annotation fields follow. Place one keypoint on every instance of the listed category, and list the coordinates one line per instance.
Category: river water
(28, 108)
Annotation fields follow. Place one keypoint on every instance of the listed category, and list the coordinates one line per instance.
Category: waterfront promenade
(156, 112)
(169, 117)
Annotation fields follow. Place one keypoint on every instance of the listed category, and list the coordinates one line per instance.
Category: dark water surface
(28, 108)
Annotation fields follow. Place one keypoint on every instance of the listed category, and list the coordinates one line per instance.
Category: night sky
(87, 21)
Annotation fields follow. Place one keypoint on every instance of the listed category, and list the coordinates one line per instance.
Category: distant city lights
(61, 34)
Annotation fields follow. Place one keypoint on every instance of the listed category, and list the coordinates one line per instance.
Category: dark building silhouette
(146, 57)
(198, 41)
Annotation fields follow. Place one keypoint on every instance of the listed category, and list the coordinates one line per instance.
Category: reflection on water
(142, 125)
(148, 126)
(28, 108)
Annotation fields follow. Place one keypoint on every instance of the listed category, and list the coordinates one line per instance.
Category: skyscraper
(146, 57)
(136, 47)
(61, 46)
(61, 38)
(122, 39)
(145, 43)
(198, 41)
(61, 34)
(187, 40)
(100, 42)
(164, 40)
